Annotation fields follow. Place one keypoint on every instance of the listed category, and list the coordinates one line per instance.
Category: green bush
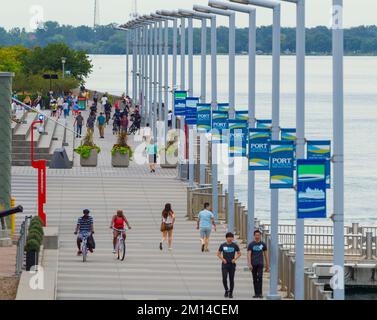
(85, 151)
(32, 245)
(36, 228)
(34, 235)
(36, 220)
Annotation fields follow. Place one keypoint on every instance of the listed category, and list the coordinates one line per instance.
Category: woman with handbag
(167, 225)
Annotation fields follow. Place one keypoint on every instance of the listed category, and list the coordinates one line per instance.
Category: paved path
(147, 273)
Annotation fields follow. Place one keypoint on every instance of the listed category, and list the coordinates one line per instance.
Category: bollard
(355, 231)
(369, 245)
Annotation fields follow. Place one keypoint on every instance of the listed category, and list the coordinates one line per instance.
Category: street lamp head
(64, 60)
(210, 10)
(270, 4)
(230, 6)
(185, 13)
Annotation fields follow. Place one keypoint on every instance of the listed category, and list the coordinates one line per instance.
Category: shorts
(205, 232)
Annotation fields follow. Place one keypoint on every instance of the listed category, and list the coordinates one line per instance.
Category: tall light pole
(232, 97)
(172, 16)
(203, 18)
(64, 60)
(338, 136)
(214, 103)
(274, 250)
(251, 97)
(300, 142)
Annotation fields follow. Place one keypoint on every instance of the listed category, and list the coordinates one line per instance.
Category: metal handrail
(45, 115)
(20, 253)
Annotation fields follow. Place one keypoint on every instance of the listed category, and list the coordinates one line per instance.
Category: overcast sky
(24, 13)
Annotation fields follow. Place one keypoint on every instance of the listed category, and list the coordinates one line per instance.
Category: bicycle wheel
(123, 250)
(84, 252)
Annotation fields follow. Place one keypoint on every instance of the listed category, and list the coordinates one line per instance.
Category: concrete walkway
(147, 273)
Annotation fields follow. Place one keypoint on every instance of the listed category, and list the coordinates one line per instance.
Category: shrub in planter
(32, 248)
(35, 235)
(37, 229)
(88, 151)
(36, 220)
(121, 153)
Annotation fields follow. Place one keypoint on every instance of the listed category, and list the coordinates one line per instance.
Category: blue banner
(238, 131)
(259, 149)
(288, 135)
(242, 115)
(264, 124)
(223, 107)
(191, 108)
(281, 164)
(180, 103)
(203, 120)
(311, 189)
(321, 150)
(219, 125)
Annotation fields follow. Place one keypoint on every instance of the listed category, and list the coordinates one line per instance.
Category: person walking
(167, 225)
(256, 251)
(124, 123)
(152, 155)
(206, 220)
(65, 109)
(229, 252)
(170, 119)
(116, 122)
(101, 122)
(79, 120)
(147, 133)
(90, 122)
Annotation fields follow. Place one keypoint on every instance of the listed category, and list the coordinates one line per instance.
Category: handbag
(163, 227)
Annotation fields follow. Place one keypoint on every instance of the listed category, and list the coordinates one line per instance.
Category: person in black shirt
(229, 253)
(257, 253)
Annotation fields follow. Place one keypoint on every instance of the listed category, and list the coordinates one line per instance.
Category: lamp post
(338, 136)
(203, 18)
(251, 97)
(276, 7)
(174, 51)
(64, 60)
(231, 84)
(300, 142)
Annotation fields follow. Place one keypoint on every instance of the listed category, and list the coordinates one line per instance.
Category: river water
(360, 120)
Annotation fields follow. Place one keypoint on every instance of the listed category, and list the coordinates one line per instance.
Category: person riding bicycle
(85, 229)
(108, 108)
(118, 222)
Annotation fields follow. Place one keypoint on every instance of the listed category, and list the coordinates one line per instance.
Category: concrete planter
(91, 161)
(119, 160)
(32, 258)
(166, 162)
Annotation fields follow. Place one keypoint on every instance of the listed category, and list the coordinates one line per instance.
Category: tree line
(106, 39)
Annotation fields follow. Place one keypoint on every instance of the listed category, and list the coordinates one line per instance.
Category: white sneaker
(114, 251)
(170, 249)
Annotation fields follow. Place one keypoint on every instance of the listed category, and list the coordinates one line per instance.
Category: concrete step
(24, 129)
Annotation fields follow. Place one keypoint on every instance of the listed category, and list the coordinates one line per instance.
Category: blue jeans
(78, 130)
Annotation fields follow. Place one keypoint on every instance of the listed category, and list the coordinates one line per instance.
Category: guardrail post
(369, 245)
(355, 231)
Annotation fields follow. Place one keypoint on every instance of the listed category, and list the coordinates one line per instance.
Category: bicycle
(84, 247)
(121, 244)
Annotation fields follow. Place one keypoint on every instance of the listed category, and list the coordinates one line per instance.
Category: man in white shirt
(147, 133)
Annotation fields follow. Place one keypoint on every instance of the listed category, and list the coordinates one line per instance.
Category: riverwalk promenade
(147, 273)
